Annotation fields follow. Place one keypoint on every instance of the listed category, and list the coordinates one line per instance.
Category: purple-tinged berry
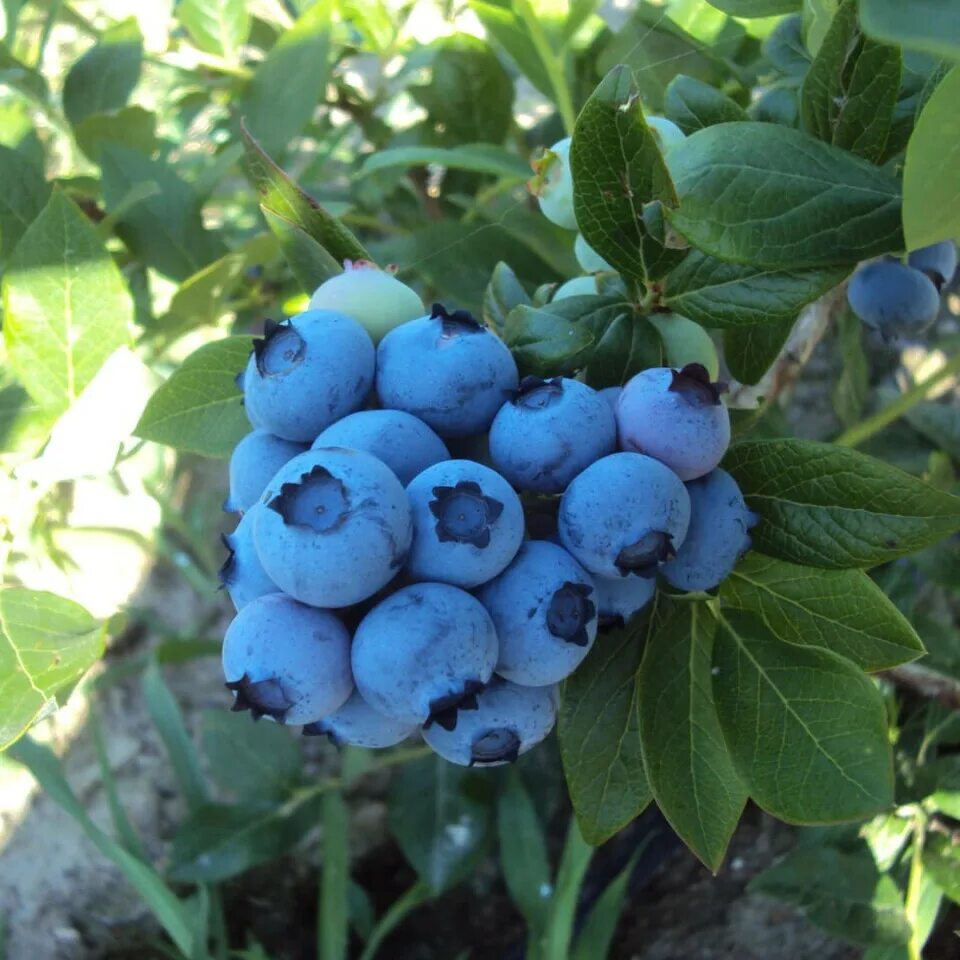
(357, 724)
(254, 461)
(938, 262)
(893, 299)
(242, 575)
(620, 599)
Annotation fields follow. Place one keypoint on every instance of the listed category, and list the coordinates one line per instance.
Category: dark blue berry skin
(509, 721)
(624, 515)
(544, 608)
(307, 373)
(549, 432)
(448, 370)
(242, 574)
(357, 724)
(620, 599)
(893, 299)
(467, 524)
(611, 395)
(254, 461)
(938, 262)
(422, 655)
(718, 534)
(335, 529)
(287, 661)
(404, 443)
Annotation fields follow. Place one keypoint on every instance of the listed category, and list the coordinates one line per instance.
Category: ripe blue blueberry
(308, 372)
(467, 523)
(404, 443)
(938, 262)
(335, 528)
(590, 261)
(893, 299)
(254, 461)
(625, 514)
(424, 653)
(717, 538)
(544, 608)
(619, 599)
(242, 574)
(448, 370)
(611, 395)
(287, 661)
(555, 190)
(549, 432)
(675, 416)
(509, 721)
(357, 724)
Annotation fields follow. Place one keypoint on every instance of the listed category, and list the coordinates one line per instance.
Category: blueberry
(590, 261)
(686, 342)
(335, 528)
(254, 461)
(620, 599)
(404, 443)
(242, 574)
(675, 416)
(893, 299)
(424, 653)
(308, 372)
(550, 431)
(611, 395)
(665, 132)
(625, 514)
(467, 523)
(717, 538)
(555, 192)
(376, 299)
(938, 262)
(544, 608)
(577, 287)
(287, 661)
(509, 721)
(357, 724)
(448, 370)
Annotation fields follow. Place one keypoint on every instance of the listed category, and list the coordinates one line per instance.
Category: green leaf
(785, 48)
(476, 157)
(720, 294)
(202, 298)
(766, 195)
(839, 610)
(104, 77)
(546, 343)
(690, 773)
(507, 29)
(290, 83)
(806, 729)
(24, 195)
(503, 293)
(46, 644)
(853, 386)
(756, 8)
(131, 127)
(164, 229)
(24, 424)
(932, 26)
(751, 351)
(334, 921)
(66, 307)
(931, 173)
(843, 893)
(617, 168)
(942, 861)
(623, 346)
(833, 507)
(599, 734)
(563, 906)
(200, 407)
(850, 92)
(692, 104)
(220, 27)
(28, 81)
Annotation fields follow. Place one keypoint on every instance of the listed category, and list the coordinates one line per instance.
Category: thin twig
(926, 683)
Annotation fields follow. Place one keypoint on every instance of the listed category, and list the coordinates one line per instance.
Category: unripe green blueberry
(577, 287)
(686, 342)
(555, 191)
(665, 132)
(590, 261)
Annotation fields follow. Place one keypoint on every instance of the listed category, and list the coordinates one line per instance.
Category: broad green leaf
(806, 729)
(720, 294)
(850, 92)
(131, 127)
(164, 229)
(334, 922)
(66, 307)
(942, 861)
(290, 83)
(841, 892)
(617, 168)
(220, 27)
(692, 104)
(785, 48)
(24, 424)
(503, 293)
(46, 644)
(27, 80)
(506, 28)
(441, 818)
(309, 262)
(931, 175)
(779, 104)
(104, 77)
(24, 195)
(946, 796)
(751, 351)
(756, 8)
(547, 342)
(839, 610)
(623, 347)
(200, 408)
(476, 157)
(690, 773)
(766, 195)
(600, 734)
(932, 26)
(833, 507)
(201, 299)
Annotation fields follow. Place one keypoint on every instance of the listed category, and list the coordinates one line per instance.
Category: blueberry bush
(504, 320)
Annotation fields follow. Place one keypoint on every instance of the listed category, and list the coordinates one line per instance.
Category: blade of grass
(334, 913)
(417, 894)
(573, 866)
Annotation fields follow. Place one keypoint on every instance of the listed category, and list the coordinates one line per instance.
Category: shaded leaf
(928, 25)
(503, 293)
(751, 351)
(24, 195)
(692, 104)
(131, 127)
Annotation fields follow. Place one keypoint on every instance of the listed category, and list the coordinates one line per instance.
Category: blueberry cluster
(903, 299)
(428, 542)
